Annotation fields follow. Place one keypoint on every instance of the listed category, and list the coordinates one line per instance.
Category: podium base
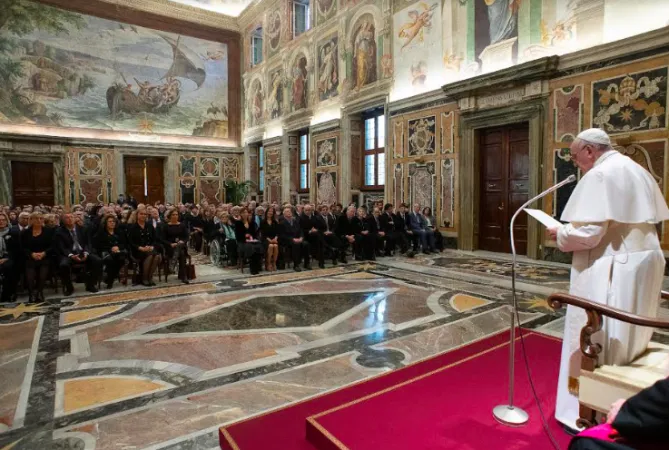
(511, 416)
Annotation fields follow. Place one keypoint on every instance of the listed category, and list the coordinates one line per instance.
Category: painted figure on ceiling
(419, 20)
(364, 61)
(503, 18)
(300, 83)
(276, 95)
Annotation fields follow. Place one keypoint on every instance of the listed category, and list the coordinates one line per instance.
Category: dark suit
(10, 268)
(402, 230)
(368, 240)
(387, 225)
(289, 230)
(64, 248)
(350, 227)
(315, 238)
(643, 419)
(418, 225)
(331, 238)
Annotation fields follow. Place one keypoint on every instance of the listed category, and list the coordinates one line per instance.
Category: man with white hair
(617, 258)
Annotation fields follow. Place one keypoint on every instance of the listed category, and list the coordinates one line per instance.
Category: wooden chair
(599, 386)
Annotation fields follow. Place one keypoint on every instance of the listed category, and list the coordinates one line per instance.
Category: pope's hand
(613, 412)
(552, 233)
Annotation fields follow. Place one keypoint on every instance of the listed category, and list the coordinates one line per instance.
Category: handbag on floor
(190, 271)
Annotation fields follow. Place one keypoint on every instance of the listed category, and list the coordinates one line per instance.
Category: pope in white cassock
(617, 259)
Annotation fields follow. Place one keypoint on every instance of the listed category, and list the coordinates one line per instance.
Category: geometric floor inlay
(267, 312)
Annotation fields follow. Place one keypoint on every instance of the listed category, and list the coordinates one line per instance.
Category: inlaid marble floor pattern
(163, 369)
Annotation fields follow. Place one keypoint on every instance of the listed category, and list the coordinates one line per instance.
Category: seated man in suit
(418, 225)
(72, 247)
(404, 233)
(313, 227)
(291, 236)
(330, 235)
(641, 422)
(367, 234)
(348, 229)
(378, 235)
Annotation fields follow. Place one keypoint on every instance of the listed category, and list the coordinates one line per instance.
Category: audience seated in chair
(72, 248)
(269, 233)
(144, 246)
(112, 247)
(291, 237)
(9, 253)
(174, 239)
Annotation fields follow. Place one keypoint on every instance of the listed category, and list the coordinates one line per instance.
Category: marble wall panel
(447, 196)
(90, 173)
(631, 103)
(563, 168)
(567, 113)
(422, 184)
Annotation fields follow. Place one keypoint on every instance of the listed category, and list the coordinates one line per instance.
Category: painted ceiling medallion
(228, 7)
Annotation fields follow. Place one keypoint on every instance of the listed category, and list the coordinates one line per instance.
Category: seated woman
(226, 234)
(144, 247)
(36, 245)
(269, 233)
(174, 237)
(248, 245)
(9, 253)
(111, 245)
(431, 224)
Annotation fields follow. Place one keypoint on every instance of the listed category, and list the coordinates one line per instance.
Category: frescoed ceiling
(228, 7)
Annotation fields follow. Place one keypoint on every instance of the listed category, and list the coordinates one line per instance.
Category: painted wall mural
(255, 111)
(276, 94)
(273, 31)
(70, 70)
(325, 9)
(326, 152)
(417, 45)
(300, 84)
(328, 69)
(634, 102)
(364, 52)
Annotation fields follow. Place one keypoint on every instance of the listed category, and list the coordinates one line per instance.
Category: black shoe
(297, 269)
(335, 262)
(69, 290)
(185, 281)
(321, 265)
(40, 297)
(92, 289)
(307, 267)
(151, 283)
(109, 285)
(410, 254)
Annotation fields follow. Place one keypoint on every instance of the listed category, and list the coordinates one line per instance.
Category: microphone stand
(509, 414)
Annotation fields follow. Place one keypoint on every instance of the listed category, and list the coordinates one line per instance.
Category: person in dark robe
(639, 423)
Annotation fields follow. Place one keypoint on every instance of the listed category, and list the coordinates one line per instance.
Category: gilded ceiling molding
(180, 11)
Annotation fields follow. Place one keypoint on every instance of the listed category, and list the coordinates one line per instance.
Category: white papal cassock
(617, 261)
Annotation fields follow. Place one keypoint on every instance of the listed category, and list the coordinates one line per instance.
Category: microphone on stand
(509, 414)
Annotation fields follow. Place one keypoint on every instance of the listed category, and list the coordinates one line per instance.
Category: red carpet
(444, 402)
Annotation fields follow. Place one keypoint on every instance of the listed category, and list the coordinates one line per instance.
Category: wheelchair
(218, 254)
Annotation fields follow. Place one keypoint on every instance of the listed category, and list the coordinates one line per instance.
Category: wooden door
(144, 179)
(504, 156)
(32, 183)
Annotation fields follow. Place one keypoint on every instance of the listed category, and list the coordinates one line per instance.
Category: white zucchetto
(595, 136)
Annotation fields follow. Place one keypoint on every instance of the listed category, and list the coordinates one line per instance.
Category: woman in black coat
(144, 247)
(111, 245)
(174, 239)
(36, 245)
(248, 245)
(269, 233)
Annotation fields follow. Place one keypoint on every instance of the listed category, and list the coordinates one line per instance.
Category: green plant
(236, 191)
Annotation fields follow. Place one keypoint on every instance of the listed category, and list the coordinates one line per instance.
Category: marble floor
(164, 368)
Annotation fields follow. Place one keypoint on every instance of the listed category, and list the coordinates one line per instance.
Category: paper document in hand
(542, 217)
